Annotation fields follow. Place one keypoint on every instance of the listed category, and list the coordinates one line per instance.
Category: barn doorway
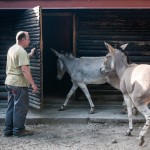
(57, 34)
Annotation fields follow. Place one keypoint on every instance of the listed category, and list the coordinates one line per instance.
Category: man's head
(22, 39)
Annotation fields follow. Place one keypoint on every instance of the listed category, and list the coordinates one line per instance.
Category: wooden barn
(77, 26)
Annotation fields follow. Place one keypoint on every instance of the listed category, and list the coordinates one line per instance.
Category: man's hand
(27, 74)
(32, 52)
(35, 89)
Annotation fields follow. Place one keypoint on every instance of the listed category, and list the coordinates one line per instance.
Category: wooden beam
(74, 4)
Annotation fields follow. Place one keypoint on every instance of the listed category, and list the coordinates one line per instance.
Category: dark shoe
(23, 133)
(7, 135)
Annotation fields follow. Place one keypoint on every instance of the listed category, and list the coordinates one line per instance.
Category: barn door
(31, 20)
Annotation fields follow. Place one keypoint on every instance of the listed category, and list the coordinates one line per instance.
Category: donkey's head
(114, 56)
(60, 65)
(62, 62)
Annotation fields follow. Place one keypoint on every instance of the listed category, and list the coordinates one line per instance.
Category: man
(17, 81)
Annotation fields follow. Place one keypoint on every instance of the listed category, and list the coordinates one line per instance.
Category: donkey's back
(89, 70)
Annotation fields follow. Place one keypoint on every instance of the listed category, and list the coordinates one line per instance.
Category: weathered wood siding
(29, 20)
(115, 27)
(13, 21)
(6, 40)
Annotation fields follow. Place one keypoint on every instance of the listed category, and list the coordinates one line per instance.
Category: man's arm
(27, 74)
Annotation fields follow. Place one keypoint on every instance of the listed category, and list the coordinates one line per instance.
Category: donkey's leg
(128, 102)
(134, 110)
(72, 90)
(124, 110)
(87, 94)
(146, 112)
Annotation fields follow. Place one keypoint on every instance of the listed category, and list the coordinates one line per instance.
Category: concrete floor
(74, 115)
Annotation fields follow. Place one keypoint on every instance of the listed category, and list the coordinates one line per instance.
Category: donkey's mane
(128, 61)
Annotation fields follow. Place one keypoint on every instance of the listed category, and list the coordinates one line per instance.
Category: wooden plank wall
(11, 22)
(7, 39)
(115, 27)
(28, 20)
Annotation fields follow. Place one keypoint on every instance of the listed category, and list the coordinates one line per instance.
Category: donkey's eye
(108, 56)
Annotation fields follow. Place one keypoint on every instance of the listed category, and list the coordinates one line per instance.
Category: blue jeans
(18, 103)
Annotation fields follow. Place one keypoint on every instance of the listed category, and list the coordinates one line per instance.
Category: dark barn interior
(57, 34)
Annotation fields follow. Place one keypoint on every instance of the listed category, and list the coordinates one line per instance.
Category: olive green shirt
(16, 57)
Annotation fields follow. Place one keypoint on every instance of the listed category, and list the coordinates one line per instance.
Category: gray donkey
(83, 71)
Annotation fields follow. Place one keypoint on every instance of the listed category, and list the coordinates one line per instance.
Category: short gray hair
(20, 35)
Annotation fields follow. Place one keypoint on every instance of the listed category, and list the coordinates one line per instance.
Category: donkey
(134, 85)
(83, 71)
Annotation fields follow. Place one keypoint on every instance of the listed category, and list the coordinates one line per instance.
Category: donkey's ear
(56, 53)
(109, 47)
(123, 46)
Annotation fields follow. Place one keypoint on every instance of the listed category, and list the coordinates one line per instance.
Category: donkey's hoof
(128, 133)
(141, 138)
(135, 111)
(124, 110)
(92, 110)
(62, 108)
(141, 142)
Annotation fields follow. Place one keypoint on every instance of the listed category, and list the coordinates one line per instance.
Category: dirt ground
(91, 136)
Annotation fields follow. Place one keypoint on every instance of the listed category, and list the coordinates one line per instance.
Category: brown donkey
(134, 85)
